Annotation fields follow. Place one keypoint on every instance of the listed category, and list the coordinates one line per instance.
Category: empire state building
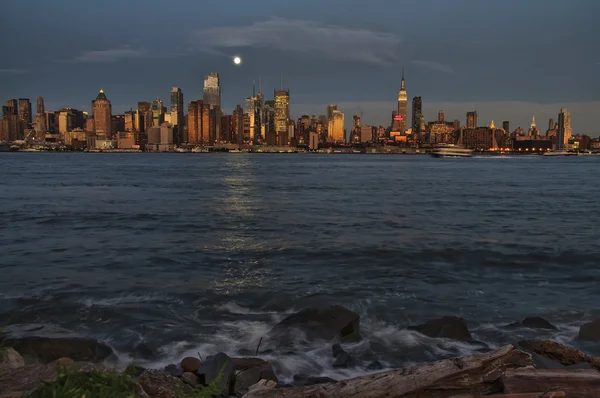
(402, 106)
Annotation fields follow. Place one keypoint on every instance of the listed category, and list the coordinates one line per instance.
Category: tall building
(402, 105)
(158, 113)
(335, 130)
(145, 115)
(25, 110)
(254, 110)
(40, 106)
(177, 118)
(102, 111)
(282, 110)
(417, 111)
(268, 117)
(506, 126)
(440, 118)
(12, 108)
(212, 89)
(202, 123)
(550, 124)
(472, 120)
(238, 125)
(40, 125)
(330, 109)
(564, 128)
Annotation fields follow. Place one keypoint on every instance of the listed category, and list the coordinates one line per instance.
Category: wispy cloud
(109, 55)
(9, 71)
(433, 65)
(307, 37)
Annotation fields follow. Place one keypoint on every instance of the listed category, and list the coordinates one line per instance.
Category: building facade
(471, 119)
(335, 130)
(25, 110)
(417, 112)
(212, 89)
(102, 112)
(282, 110)
(402, 106)
(564, 128)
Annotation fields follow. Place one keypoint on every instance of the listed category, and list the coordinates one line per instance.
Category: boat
(452, 151)
(559, 153)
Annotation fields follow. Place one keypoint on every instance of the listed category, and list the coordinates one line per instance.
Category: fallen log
(477, 374)
(576, 383)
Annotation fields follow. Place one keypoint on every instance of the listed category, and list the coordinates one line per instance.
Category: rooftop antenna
(254, 88)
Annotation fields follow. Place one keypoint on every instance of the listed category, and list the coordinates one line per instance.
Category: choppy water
(206, 252)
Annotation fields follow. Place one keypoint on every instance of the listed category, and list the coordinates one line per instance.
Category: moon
(237, 60)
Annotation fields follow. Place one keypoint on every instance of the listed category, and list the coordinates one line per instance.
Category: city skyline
(351, 57)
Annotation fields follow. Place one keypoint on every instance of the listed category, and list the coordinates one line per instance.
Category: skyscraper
(40, 120)
(268, 117)
(417, 111)
(282, 110)
(12, 108)
(158, 113)
(40, 106)
(102, 111)
(145, 115)
(506, 126)
(440, 116)
(177, 115)
(564, 128)
(472, 120)
(402, 105)
(330, 109)
(335, 130)
(25, 110)
(238, 125)
(202, 123)
(212, 89)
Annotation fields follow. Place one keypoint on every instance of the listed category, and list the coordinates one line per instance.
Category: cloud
(436, 66)
(306, 37)
(13, 71)
(110, 55)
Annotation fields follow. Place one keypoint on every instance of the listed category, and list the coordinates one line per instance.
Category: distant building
(402, 106)
(506, 126)
(212, 89)
(471, 119)
(440, 118)
(117, 124)
(417, 112)
(25, 110)
(177, 118)
(145, 116)
(366, 133)
(102, 111)
(313, 141)
(330, 109)
(564, 128)
(238, 125)
(335, 130)
(126, 140)
(158, 113)
(282, 110)
(202, 123)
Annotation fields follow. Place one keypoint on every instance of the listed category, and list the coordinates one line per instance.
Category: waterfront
(195, 253)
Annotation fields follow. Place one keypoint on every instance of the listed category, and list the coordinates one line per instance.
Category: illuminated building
(335, 129)
(506, 126)
(130, 120)
(440, 118)
(366, 133)
(25, 110)
(533, 130)
(199, 123)
(158, 113)
(102, 111)
(254, 110)
(330, 109)
(177, 119)
(212, 89)
(40, 120)
(238, 125)
(471, 120)
(313, 141)
(402, 105)
(417, 112)
(282, 110)
(11, 108)
(564, 128)
(145, 116)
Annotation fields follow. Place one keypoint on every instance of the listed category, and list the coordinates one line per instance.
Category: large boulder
(190, 364)
(590, 331)
(219, 365)
(566, 356)
(249, 376)
(26, 378)
(159, 384)
(10, 359)
(329, 323)
(45, 343)
(342, 358)
(534, 322)
(448, 327)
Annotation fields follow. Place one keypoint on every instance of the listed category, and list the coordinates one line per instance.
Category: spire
(402, 85)
(533, 121)
(254, 88)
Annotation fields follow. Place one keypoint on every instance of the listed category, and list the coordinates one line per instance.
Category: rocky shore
(37, 364)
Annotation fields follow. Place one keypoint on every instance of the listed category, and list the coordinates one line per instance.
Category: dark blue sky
(507, 59)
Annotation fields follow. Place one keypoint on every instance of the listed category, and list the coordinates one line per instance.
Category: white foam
(128, 299)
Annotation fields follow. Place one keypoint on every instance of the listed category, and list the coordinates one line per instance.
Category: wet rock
(324, 323)
(246, 363)
(212, 367)
(26, 378)
(535, 322)
(47, 349)
(342, 358)
(448, 327)
(304, 380)
(590, 331)
(174, 370)
(559, 353)
(191, 364)
(190, 379)
(375, 365)
(143, 351)
(252, 375)
(63, 362)
(160, 384)
(262, 385)
(10, 359)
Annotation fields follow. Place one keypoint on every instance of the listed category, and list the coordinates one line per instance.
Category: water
(203, 252)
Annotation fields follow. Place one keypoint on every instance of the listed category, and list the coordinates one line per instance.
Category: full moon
(237, 60)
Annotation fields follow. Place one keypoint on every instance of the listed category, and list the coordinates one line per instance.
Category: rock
(143, 351)
(160, 384)
(10, 359)
(191, 364)
(324, 323)
(375, 365)
(337, 350)
(26, 378)
(535, 322)
(304, 380)
(190, 378)
(246, 363)
(448, 327)
(174, 370)
(16, 394)
(262, 385)
(48, 349)
(220, 364)
(558, 352)
(342, 358)
(63, 362)
(590, 331)
(253, 375)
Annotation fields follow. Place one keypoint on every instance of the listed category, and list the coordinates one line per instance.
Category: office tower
(268, 117)
(118, 124)
(506, 126)
(564, 128)
(145, 114)
(40, 106)
(158, 113)
(254, 110)
(356, 121)
(402, 105)
(472, 120)
(440, 118)
(25, 110)
(129, 119)
(177, 119)
(330, 109)
(102, 111)
(550, 124)
(335, 130)
(456, 124)
(238, 125)
(212, 89)
(282, 110)
(12, 108)
(417, 111)
(202, 123)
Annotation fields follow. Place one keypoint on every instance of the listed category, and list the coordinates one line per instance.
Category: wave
(234, 308)
(129, 299)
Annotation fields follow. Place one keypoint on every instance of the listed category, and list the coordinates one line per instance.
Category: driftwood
(576, 383)
(477, 374)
